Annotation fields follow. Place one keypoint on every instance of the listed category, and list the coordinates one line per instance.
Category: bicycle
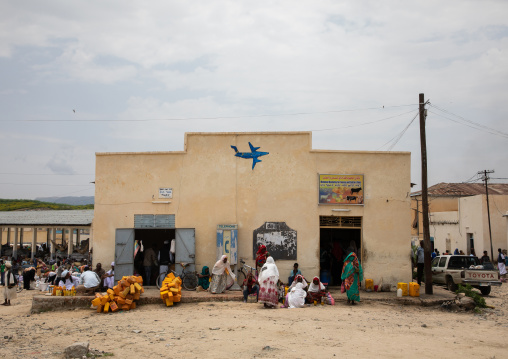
(189, 279)
(242, 275)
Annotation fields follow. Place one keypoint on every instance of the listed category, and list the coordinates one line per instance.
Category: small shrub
(468, 291)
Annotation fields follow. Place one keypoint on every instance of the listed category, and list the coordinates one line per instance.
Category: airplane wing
(252, 148)
(254, 161)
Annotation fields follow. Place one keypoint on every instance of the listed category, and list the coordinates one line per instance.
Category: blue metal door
(185, 248)
(124, 253)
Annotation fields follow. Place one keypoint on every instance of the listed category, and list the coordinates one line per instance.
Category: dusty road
(238, 330)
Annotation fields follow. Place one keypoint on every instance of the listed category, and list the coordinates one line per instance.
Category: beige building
(309, 206)
(459, 217)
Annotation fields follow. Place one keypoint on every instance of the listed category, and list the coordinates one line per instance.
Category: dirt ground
(234, 329)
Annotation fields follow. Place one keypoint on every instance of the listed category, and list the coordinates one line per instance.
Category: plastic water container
(43, 286)
(404, 287)
(369, 285)
(326, 277)
(414, 289)
(399, 293)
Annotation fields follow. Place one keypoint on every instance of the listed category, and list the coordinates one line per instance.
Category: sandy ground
(234, 329)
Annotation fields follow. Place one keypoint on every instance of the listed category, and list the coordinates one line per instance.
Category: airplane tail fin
(234, 147)
(252, 148)
(254, 161)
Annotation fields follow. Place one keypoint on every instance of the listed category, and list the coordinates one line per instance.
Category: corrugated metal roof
(464, 189)
(47, 218)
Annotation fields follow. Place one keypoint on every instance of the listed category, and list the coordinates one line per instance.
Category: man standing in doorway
(148, 262)
(164, 257)
(420, 262)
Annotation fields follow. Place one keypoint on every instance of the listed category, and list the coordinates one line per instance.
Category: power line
(468, 123)
(363, 124)
(399, 135)
(218, 117)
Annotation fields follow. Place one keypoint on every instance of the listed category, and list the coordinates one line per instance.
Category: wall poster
(341, 189)
(279, 239)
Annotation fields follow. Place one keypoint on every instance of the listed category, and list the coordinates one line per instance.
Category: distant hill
(33, 205)
(73, 201)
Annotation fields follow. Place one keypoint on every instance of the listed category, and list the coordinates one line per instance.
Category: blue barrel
(325, 277)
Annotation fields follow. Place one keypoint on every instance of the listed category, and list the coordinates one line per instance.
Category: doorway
(335, 246)
(151, 239)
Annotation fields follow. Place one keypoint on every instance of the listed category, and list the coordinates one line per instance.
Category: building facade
(459, 219)
(309, 206)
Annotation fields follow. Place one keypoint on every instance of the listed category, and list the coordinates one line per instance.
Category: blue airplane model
(254, 154)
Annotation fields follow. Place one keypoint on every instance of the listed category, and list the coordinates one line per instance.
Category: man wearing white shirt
(88, 282)
(109, 277)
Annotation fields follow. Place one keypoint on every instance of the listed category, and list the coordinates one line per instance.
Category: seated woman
(316, 290)
(204, 278)
(220, 271)
(296, 297)
(298, 279)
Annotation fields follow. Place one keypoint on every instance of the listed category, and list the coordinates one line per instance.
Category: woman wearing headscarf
(352, 275)
(219, 275)
(204, 278)
(296, 297)
(298, 279)
(68, 281)
(261, 256)
(316, 290)
(10, 284)
(268, 279)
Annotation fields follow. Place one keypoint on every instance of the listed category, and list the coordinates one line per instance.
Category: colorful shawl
(261, 255)
(352, 275)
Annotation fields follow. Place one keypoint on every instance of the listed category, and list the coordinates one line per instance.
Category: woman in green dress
(352, 275)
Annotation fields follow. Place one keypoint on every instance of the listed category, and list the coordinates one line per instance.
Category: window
(442, 262)
(435, 262)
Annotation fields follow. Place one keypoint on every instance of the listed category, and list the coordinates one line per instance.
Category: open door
(185, 248)
(124, 253)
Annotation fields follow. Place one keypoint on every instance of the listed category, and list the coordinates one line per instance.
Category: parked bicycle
(189, 279)
(243, 271)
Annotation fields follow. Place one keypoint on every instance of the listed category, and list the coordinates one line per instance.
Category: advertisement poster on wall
(341, 189)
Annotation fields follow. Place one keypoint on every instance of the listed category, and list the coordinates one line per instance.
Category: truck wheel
(452, 287)
(485, 290)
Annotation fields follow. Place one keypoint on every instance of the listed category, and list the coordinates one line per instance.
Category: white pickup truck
(456, 269)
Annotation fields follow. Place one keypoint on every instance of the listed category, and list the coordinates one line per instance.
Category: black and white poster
(279, 239)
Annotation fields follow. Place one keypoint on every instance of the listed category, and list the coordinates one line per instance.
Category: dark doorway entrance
(150, 238)
(335, 245)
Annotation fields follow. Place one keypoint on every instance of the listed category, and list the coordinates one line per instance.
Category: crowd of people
(270, 290)
(61, 272)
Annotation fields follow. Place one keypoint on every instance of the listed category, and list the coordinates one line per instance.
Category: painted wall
(211, 186)
(436, 204)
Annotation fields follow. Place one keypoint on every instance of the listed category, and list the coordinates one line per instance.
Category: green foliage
(468, 291)
(28, 204)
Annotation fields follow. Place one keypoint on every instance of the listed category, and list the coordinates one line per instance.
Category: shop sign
(341, 189)
(165, 192)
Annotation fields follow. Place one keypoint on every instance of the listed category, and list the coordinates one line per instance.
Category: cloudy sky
(140, 75)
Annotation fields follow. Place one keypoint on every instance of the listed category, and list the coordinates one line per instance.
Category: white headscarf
(295, 282)
(268, 270)
(220, 267)
(296, 298)
(314, 287)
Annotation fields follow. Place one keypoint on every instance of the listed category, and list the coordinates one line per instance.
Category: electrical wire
(468, 123)
(364, 123)
(218, 117)
(399, 135)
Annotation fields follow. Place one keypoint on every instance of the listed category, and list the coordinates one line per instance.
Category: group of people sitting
(270, 290)
(88, 282)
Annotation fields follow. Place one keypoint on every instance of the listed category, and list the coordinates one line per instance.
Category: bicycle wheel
(240, 277)
(190, 281)
(160, 278)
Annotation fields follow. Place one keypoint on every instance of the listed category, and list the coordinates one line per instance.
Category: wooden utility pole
(486, 178)
(425, 200)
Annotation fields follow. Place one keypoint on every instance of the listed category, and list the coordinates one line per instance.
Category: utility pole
(486, 179)
(425, 199)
